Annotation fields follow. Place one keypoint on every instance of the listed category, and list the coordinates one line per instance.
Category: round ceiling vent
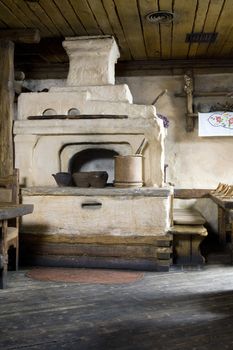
(160, 17)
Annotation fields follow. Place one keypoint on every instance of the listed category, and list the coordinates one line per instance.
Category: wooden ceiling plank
(8, 17)
(29, 55)
(201, 12)
(117, 29)
(227, 48)
(100, 16)
(29, 36)
(2, 25)
(50, 48)
(53, 56)
(224, 29)
(131, 23)
(56, 16)
(86, 17)
(184, 18)
(212, 17)
(166, 30)
(43, 17)
(55, 52)
(150, 30)
(71, 17)
(17, 12)
(32, 20)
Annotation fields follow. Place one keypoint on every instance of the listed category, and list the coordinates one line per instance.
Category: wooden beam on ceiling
(129, 68)
(143, 67)
(27, 36)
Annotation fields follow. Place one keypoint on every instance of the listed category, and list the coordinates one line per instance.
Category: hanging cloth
(215, 124)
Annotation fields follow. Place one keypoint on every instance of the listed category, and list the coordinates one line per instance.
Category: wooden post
(3, 255)
(7, 37)
(188, 88)
(222, 225)
(6, 106)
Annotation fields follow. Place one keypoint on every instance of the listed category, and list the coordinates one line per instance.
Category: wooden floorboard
(180, 310)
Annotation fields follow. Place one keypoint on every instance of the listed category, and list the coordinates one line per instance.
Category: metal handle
(91, 205)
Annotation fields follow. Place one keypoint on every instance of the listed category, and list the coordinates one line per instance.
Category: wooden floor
(180, 310)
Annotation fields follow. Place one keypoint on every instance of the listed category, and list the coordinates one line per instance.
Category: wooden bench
(188, 233)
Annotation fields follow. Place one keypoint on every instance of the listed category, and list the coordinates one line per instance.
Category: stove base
(134, 252)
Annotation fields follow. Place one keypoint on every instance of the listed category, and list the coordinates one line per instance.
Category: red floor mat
(83, 275)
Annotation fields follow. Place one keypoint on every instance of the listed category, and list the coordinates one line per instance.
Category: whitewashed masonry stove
(71, 226)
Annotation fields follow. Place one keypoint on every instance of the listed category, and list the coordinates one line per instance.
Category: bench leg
(222, 225)
(196, 257)
(182, 249)
(4, 255)
(187, 249)
(3, 278)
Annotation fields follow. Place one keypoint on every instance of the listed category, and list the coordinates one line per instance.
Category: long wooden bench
(188, 233)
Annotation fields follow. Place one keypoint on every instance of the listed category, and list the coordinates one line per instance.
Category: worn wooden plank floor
(177, 311)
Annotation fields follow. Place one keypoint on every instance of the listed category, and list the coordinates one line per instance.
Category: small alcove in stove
(94, 159)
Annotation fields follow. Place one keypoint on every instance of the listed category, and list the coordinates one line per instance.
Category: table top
(10, 210)
(225, 203)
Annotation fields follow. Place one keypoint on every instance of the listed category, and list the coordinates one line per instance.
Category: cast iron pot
(63, 179)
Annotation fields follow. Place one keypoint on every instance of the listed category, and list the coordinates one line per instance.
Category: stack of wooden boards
(223, 191)
(188, 233)
(136, 252)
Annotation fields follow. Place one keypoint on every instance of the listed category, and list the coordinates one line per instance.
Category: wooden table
(8, 211)
(225, 214)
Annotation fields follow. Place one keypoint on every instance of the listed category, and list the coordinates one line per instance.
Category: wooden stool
(188, 233)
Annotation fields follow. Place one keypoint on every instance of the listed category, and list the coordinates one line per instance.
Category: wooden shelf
(80, 116)
(189, 93)
(192, 115)
(206, 94)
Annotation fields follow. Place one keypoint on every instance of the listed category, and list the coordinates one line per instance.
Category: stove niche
(94, 159)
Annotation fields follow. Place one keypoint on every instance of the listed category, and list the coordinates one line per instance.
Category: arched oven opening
(94, 159)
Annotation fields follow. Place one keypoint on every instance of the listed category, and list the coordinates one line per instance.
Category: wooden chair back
(9, 240)
(9, 187)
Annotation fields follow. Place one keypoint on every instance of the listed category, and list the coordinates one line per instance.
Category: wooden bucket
(128, 171)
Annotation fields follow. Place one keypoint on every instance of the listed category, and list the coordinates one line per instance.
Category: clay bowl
(81, 179)
(96, 179)
(63, 179)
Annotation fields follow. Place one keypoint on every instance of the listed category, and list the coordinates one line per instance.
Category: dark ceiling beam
(26, 36)
(132, 68)
(174, 66)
